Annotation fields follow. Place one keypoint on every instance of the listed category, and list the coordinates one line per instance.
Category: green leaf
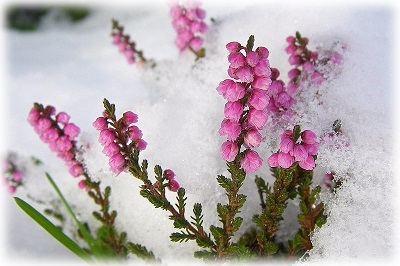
(158, 172)
(250, 43)
(141, 252)
(270, 248)
(53, 230)
(224, 182)
(180, 223)
(204, 242)
(181, 236)
(205, 255)
(217, 232)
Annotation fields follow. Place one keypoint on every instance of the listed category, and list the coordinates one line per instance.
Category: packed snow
(74, 66)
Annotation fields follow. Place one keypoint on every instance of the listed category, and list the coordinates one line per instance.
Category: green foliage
(181, 236)
(156, 201)
(142, 252)
(250, 43)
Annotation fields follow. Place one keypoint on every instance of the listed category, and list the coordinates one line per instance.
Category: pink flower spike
(76, 170)
(130, 117)
(252, 138)
(308, 164)
(251, 162)
(233, 111)
(285, 160)
(169, 174)
(62, 117)
(100, 123)
(273, 160)
(233, 47)
(229, 150)
(245, 74)
(308, 137)
(252, 58)
(71, 130)
(173, 185)
(257, 118)
(300, 153)
(106, 137)
(141, 144)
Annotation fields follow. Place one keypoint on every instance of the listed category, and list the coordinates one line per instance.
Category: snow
(74, 66)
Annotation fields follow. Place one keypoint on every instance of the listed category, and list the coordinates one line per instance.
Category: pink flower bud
(262, 69)
(49, 135)
(63, 144)
(290, 39)
(33, 116)
(175, 11)
(293, 73)
(308, 137)
(186, 35)
(231, 129)
(252, 58)
(17, 176)
(314, 55)
(100, 123)
(308, 164)
(273, 160)
(173, 185)
(106, 137)
(261, 83)
(116, 38)
(291, 88)
(262, 52)
(169, 174)
(335, 58)
(284, 100)
(259, 99)
(229, 150)
(276, 87)
(134, 133)
(42, 125)
(317, 78)
(71, 130)
(245, 74)
(117, 162)
(180, 23)
(286, 145)
(234, 92)
(232, 72)
(300, 153)
(308, 66)
(233, 47)
(294, 60)
(76, 170)
(195, 26)
(285, 160)
(12, 189)
(82, 185)
(236, 59)
(251, 162)
(233, 111)
(123, 46)
(200, 13)
(196, 43)
(312, 149)
(203, 27)
(62, 117)
(141, 144)
(252, 138)
(130, 117)
(111, 149)
(257, 118)
(290, 49)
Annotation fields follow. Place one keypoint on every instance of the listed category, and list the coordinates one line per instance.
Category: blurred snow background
(74, 66)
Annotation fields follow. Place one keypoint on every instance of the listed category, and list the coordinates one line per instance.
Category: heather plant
(254, 95)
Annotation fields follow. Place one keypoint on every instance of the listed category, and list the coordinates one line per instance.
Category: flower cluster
(246, 109)
(301, 56)
(172, 184)
(125, 45)
(12, 176)
(280, 96)
(119, 137)
(301, 148)
(56, 130)
(188, 23)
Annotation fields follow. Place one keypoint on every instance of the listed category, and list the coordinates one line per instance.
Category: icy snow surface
(74, 66)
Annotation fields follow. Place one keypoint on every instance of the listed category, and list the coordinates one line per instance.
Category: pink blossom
(223, 86)
(293, 73)
(252, 138)
(106, 137)
(262, 69)
(141, 144)
(173, 185)
(233, 47)
(49, 135)
(175, 11)
(273, 160)
(203, 27)
(308, 137)
(71, 130)
(257, 118)
(235, 92)
(201, 13)
(308, 66)
(307, 164)
(236, 59)
(232, 73)
(33, 116)
(117, 163)
(335, 58)
(12, 189)
(76, 170)
(123, 46)
(276, 87)
(169, 174)
(130, 117)
(233, 111)
(195, 26)
(314, 55)
(82, 185)
(116, 38)
(196, 43)
(290, 49)
(286, 145)
(312, 149)
(262, 52)
(291, 88)
(290, 39)
(252, 58)
(285, 160)
(229, 150)
(62, 117)
(111, 149)
(262, 83)
(63, 144)
(134, 133)
(284, 99)
(245, 74)
(230, 128)
(300, 153)
(317, 78)
(294, 60)
(251, 162)
(42, 124)
(100, 123)
(259, 99)
(17, 176)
